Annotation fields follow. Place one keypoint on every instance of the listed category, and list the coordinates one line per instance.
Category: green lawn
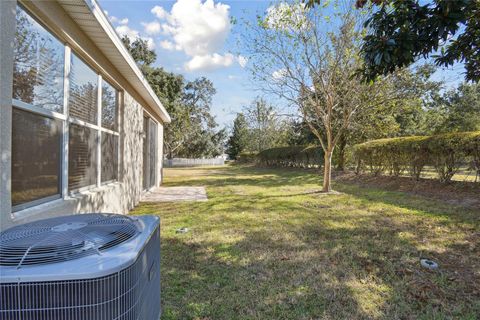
(268, 245)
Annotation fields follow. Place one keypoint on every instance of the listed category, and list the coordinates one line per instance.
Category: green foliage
(193, 131)
(292, 156)
(140, 52)
(238, 141)
(456, 110)
(246, 157)
(446, 152)
(266, 130)
(402, 31)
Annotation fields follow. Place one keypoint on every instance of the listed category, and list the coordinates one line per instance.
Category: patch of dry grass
(268, 245)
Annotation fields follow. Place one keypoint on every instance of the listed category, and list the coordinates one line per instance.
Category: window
(109, 157)
(109, 106)
(82, 156)
(83, 91)
(42, 119)
(36, 155)
(87, 131)
(149, 154)
(38, 65)
(37, 114)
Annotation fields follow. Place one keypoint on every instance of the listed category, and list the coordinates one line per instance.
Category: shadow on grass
(313, 271)
(280, 253)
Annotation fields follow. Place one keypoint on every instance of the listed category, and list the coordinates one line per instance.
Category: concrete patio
(175, 194)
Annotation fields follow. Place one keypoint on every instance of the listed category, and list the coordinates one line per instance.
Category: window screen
(83, 91)
(109, 157)
(38, 67)
(36, 154)
(109, 106)
(82, 156)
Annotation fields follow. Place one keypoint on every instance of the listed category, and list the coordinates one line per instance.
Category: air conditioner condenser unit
(86, 266)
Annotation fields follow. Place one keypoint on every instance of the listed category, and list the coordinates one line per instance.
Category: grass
(268, 245)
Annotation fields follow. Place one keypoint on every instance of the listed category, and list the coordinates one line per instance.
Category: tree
(312, 64)
(140, 52)
(265, 126)
(188, 104)
(402, 31)
(456, 110)
(238, 141)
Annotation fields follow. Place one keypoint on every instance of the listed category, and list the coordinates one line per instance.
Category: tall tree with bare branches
(310, 58)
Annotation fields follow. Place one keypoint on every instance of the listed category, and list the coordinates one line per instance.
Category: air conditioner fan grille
(63, 238)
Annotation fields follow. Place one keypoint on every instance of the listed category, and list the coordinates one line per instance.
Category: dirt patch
(465, 194)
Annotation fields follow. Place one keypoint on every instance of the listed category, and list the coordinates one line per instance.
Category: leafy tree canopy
(402, 31)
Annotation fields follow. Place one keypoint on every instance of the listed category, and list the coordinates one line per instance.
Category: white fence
(182, 162)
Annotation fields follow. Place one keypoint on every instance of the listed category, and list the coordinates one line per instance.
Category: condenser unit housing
(87, 266)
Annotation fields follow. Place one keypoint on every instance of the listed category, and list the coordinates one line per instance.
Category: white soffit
(89, 16)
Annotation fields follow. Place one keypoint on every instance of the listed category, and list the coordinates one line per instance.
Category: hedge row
(294, 156)
(445, 152)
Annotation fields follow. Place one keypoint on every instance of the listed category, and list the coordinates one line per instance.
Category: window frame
(59, 195)
(66, 120)
(95, 126)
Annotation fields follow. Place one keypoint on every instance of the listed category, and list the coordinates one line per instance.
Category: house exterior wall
(116, 197)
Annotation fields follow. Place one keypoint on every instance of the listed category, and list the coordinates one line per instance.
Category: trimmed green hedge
(445, 152)
(293, 156)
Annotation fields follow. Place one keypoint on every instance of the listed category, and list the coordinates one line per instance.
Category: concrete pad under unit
(175, 194)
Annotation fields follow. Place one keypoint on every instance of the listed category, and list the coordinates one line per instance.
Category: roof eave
(149, 95)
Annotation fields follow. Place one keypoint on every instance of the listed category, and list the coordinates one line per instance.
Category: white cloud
(167, 45)
(286, 16)
(279, 74)
(159, 12)
(209, 62)
(152, 28)
(125, 30)
(242, 61)
(123, 21)
(150, 42)
(199, 29)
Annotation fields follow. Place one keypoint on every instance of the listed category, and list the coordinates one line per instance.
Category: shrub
(293, 156)
(445, 152)
(246, 157)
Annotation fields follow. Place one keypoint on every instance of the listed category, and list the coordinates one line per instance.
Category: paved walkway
(175, 194)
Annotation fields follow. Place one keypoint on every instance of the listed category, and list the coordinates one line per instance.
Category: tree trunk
(327, 171)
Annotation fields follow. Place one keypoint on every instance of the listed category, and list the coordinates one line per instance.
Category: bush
(445, 152)
(246, 157)
(293, 156)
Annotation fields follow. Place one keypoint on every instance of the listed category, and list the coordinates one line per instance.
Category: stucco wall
(118, 197)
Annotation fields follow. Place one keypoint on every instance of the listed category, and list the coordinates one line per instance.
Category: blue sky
(196, 38)
(213, 51)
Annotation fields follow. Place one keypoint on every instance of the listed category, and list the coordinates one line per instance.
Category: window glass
(36, 154)
(109, 106)
(38, 67)
(82, 156)
(109, 157)
(83, 91)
